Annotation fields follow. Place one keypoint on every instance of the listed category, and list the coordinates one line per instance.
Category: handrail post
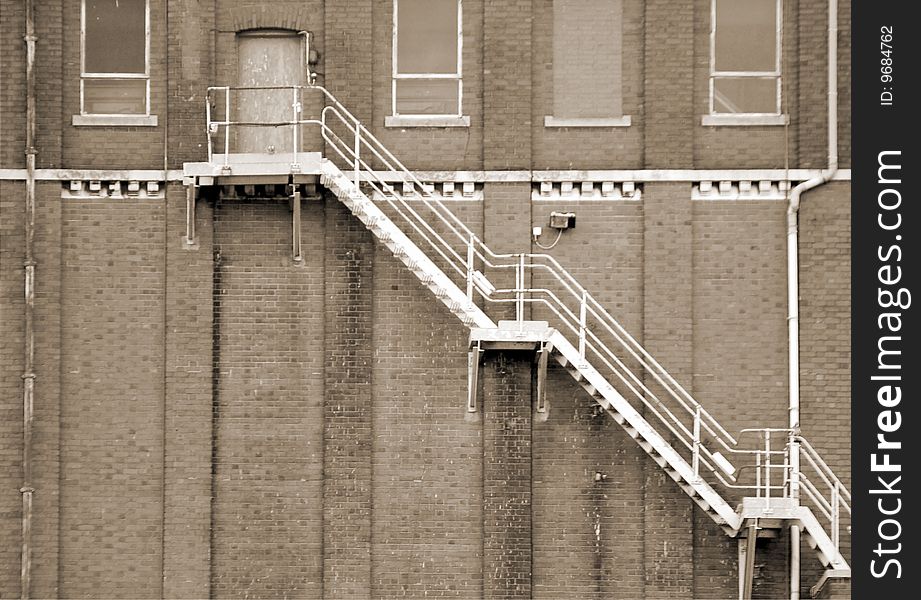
(696, 459)
(357, 150)
(582, 325)
(208, 118)
(227, 128)
(758, 475)
(519, 286)
(767, 470)
(835, 513)
(470, 256)
(794, 466)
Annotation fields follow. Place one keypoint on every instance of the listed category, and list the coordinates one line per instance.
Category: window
(427, 80)
(115, 45)
(745, 37)
(587, 64)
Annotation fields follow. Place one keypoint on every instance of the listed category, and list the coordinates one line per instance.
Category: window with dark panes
(745, 57)
(426, 57)
(115, 75)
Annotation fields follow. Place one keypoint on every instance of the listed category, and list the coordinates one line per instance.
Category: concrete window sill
(623, 121)
(426, 121)
(743, 120)
(115, 120)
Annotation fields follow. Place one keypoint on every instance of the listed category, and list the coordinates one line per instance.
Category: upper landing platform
(253, 168)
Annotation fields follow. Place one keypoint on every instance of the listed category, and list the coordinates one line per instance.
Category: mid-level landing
(252, 168)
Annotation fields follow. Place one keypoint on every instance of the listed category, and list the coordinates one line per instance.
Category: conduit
(793, 275)
(28, 374)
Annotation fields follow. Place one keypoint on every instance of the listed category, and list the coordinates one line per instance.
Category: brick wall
(825, 336)
(668, 75)
(507, 525)
(591, 147)
(267, 512)
(11, 367)
(740, 356)
(112, 401)
(427, 456)
(347, 435)
(667, 334)
(322, 406)
(188, 411)
(506, 48)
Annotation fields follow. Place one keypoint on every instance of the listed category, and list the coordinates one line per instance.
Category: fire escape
(755, 483)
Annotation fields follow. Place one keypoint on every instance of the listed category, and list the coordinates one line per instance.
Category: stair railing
(572, 307)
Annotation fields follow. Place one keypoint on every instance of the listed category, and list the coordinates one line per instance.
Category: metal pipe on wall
(793, 276)
(28, 374)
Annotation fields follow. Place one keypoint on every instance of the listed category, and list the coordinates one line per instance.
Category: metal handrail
(690, 431)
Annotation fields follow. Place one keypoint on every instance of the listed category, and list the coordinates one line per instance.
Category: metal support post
(543, 356)
(474, 356)
(296, 223)
(191, 200)
(582, 325)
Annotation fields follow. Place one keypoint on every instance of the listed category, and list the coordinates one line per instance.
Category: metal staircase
(773, 476)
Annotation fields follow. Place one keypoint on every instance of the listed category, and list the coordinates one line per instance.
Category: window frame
(145, 75)
(397, 76)
(776, 74)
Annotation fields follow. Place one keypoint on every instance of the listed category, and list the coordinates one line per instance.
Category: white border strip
(638, 175)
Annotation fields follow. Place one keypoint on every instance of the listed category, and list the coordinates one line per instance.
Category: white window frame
(749, 118)
(84, 75)
(444, 120)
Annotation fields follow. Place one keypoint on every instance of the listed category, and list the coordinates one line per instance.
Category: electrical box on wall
(562, 220)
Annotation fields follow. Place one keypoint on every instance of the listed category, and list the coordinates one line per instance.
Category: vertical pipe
(28, 375)
(582, 325)
(794, 562)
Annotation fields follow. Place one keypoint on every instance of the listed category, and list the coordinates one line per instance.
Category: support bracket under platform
(191, 198)
(510, 335)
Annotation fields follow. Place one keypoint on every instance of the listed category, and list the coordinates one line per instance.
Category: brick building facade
(219, 420)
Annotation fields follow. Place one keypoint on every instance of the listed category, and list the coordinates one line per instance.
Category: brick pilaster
(506, 405)
(347, 429)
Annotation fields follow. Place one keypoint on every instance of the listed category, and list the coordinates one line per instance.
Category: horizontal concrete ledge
(743, 120)
(115, 120)
(95, 174)
(426, 121)
(637, 175)
(623, 121)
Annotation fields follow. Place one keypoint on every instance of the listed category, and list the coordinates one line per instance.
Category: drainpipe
(28, 374)
(793, 277)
